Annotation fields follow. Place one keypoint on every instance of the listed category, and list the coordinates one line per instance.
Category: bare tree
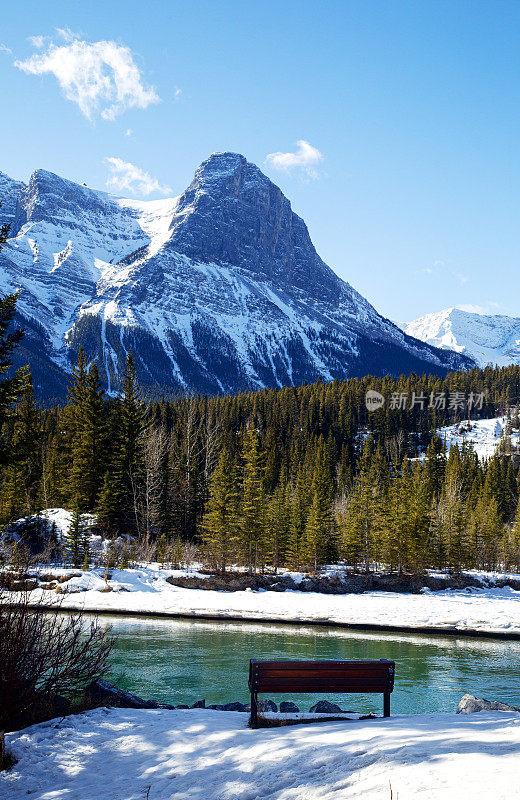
(155, 452)
(45, 654)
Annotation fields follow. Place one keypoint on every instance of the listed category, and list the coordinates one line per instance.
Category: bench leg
(254, 711)
(386, 704)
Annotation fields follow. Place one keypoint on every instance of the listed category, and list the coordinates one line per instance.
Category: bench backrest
(321, 676)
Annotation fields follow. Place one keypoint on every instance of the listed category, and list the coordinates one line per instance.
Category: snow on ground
(146, 590)
(126, 754)
(483, 435)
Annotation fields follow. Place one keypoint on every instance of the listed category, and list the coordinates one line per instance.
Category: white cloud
(126, 177)
(128, 132)
(37, 41)
(176, 93)
(102, 78)
(305, 158)
(5, 49)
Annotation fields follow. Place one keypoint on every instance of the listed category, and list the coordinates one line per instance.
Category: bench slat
(316, 665)
(313, 673)
(322, 679)
(336, 688)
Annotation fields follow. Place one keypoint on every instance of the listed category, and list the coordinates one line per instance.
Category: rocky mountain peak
(233, 214)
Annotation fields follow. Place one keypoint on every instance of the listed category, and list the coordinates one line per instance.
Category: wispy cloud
(102, 77)
(5, 49)
(177, 93)
(305, 158)
(126, 177)
(37, 41)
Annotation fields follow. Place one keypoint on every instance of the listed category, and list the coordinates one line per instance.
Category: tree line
(291, 477)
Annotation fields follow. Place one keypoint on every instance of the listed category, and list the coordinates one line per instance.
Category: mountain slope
(217, 290)
(486, 339)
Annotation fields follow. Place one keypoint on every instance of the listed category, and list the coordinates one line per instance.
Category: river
(178, 662)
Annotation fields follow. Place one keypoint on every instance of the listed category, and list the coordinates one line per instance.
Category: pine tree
(219, 524)
(89, 446)
(108, 511)
(74, 539)
(317, 545)
(419, 510)
(127, 469)
(251, 521)
(435, 467)
(514, 543)
(22, 476)
(362, 523)
(11, 386)
(487, 532)
(278, 525)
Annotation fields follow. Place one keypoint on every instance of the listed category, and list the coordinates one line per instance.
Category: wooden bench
(361, 677)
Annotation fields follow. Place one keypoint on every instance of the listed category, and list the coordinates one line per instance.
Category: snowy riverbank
(489, 610)
(125, 754)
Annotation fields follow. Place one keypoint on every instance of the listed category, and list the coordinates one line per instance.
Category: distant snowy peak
(218, 290)
(486, 339)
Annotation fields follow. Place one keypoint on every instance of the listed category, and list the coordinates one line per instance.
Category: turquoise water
(182, 661)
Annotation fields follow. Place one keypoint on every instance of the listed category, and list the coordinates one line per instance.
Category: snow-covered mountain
(217, 290)
(486, 339)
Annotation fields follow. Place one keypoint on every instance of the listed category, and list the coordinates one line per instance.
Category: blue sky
(413, 106)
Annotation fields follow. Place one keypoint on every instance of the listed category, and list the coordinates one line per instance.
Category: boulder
(199, 704)
(216, 708)
(267, 705)
(288, 707)
(471, 705)
(182, 706)
(324, 707)
(234, 707)
(101, 693)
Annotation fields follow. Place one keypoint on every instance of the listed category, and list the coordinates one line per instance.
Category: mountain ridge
(217, 290)
(484, 338)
